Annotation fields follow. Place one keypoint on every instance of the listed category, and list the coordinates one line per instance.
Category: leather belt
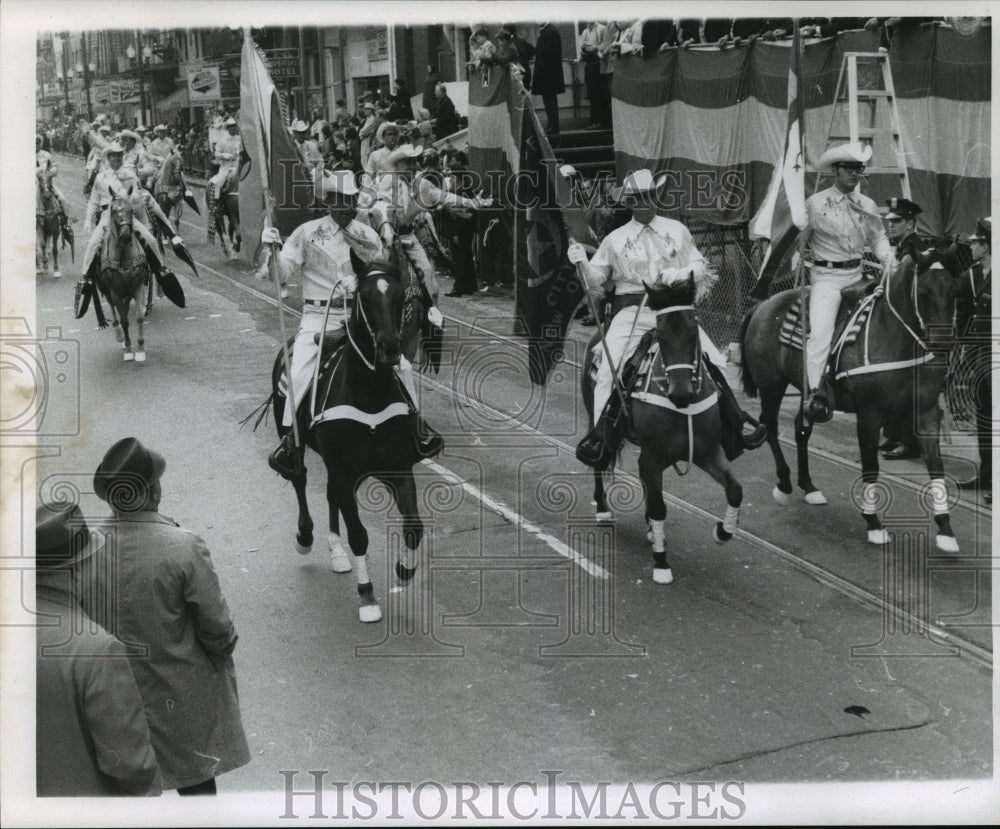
(618, 302)
(323, 302)
(850, 263)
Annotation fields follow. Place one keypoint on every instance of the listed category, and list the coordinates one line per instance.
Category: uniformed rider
(317, 255)
(652, 249)
(840, 224)
(43, 159)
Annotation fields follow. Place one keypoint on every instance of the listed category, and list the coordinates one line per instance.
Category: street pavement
(533, 641)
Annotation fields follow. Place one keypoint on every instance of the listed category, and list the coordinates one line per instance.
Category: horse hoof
(339, 561)
(663, 575)
(879, 537)
(719, 535)
(303, 549)
(140, 356)
(782, 498)
(233, 256)
(946, 543)
(816, 498)
(56, 274)
(128, 356)
(370, 613)
(604, 516)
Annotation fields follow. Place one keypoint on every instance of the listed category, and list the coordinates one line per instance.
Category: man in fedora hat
(901, 219)
(648, 249)
(308, 149)
(160, 593)
(91, 734)
(317, 254)
(974, 323)
(840, 224)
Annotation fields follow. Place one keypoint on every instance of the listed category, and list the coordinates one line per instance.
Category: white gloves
(177, 240)
(576, 254)
(434, 316)
(482, 201)
(270, 236)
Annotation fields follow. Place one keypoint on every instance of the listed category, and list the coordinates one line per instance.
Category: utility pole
(86, 74)
(142, 83)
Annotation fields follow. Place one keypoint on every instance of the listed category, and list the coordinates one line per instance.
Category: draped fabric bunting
(715, 121)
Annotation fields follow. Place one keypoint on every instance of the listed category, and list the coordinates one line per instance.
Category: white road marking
(517, 519)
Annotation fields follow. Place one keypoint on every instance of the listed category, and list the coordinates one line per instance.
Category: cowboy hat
(127, 470)
(856, 153)
(299, 126)
(337, 181)
(113, 147)
(140, 128)
(984, 230)
(404, 152)
(62, 538)
(638, 182)
(129, 134)
(160, 128)
(902, 209)
(384, 128)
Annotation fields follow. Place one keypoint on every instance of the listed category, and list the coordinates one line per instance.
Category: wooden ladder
(866, 80)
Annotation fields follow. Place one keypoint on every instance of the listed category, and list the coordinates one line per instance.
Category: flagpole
(796, 71)
(265, 176)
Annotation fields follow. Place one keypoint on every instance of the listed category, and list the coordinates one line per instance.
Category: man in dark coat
(445, 117)
(159, 594)
(974, 323)
(91, 734)
(900, 439)
(548, 77)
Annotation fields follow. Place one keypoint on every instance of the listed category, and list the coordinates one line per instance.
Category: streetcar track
(822, 575)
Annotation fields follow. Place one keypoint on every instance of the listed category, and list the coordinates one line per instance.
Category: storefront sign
(377, 42)
(204, 84)
(284, 64)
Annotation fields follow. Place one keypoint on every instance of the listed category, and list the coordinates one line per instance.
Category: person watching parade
(308, 149)
(648, 249)
(317, 254)
(974, 324)
(840, 224)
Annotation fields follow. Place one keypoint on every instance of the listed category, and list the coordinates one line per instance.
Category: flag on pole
(269, 163)
(783, 213)
(547, 289)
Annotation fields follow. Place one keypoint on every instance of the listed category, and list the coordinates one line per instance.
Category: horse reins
(695, 384)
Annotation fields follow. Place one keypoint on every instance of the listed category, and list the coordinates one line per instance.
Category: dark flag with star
(547, 289)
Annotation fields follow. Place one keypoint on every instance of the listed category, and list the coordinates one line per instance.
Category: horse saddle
(855, 307)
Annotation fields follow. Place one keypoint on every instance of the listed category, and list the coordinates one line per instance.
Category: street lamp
(132, 55)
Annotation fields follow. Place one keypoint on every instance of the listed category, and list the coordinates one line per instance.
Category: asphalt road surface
(533, 646)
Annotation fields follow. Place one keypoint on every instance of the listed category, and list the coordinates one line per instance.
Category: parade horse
(363, 426)
(672, 415)
(49, 221)
(224, 215)
(170, 189)
(121, 271)
(894, 368)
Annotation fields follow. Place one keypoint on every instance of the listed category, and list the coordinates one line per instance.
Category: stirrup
(283, 460)
(818, 408)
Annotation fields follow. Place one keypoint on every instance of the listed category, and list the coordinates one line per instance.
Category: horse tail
(749, 384)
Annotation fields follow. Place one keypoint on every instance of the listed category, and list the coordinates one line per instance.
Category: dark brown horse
(676, 420)
(895, 368)
(49, 221)
(363, 425)
(226, 216)
(169, 187)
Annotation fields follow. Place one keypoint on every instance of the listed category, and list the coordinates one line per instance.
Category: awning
(178, 99)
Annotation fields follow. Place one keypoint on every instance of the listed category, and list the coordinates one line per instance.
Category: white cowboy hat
(140, 128)
(403, 152)
(388, 125)
(856, 153)
(299, 126)
(113, 147)
(636, 182)
(129, 134)
(337, 181)
(160, 128)
(230, 122)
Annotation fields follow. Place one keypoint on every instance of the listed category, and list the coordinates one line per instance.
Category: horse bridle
(370, 364)
(916, 308)
(694, 367)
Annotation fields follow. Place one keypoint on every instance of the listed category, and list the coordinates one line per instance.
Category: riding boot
(429, 442)
(285, 459)
(818, 408)
(599, 448)
(734, 441)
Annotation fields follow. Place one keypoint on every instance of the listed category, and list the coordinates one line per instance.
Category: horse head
(935, 280)
(378, 310)
(677, 335)
(44, 176)
(122, 210)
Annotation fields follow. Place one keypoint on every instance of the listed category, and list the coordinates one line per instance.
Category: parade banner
(716, 121)
(269, 161)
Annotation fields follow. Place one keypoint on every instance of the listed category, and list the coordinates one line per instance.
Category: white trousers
(219, 179)
(824, 302)
(622, 346)
(305, 354)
